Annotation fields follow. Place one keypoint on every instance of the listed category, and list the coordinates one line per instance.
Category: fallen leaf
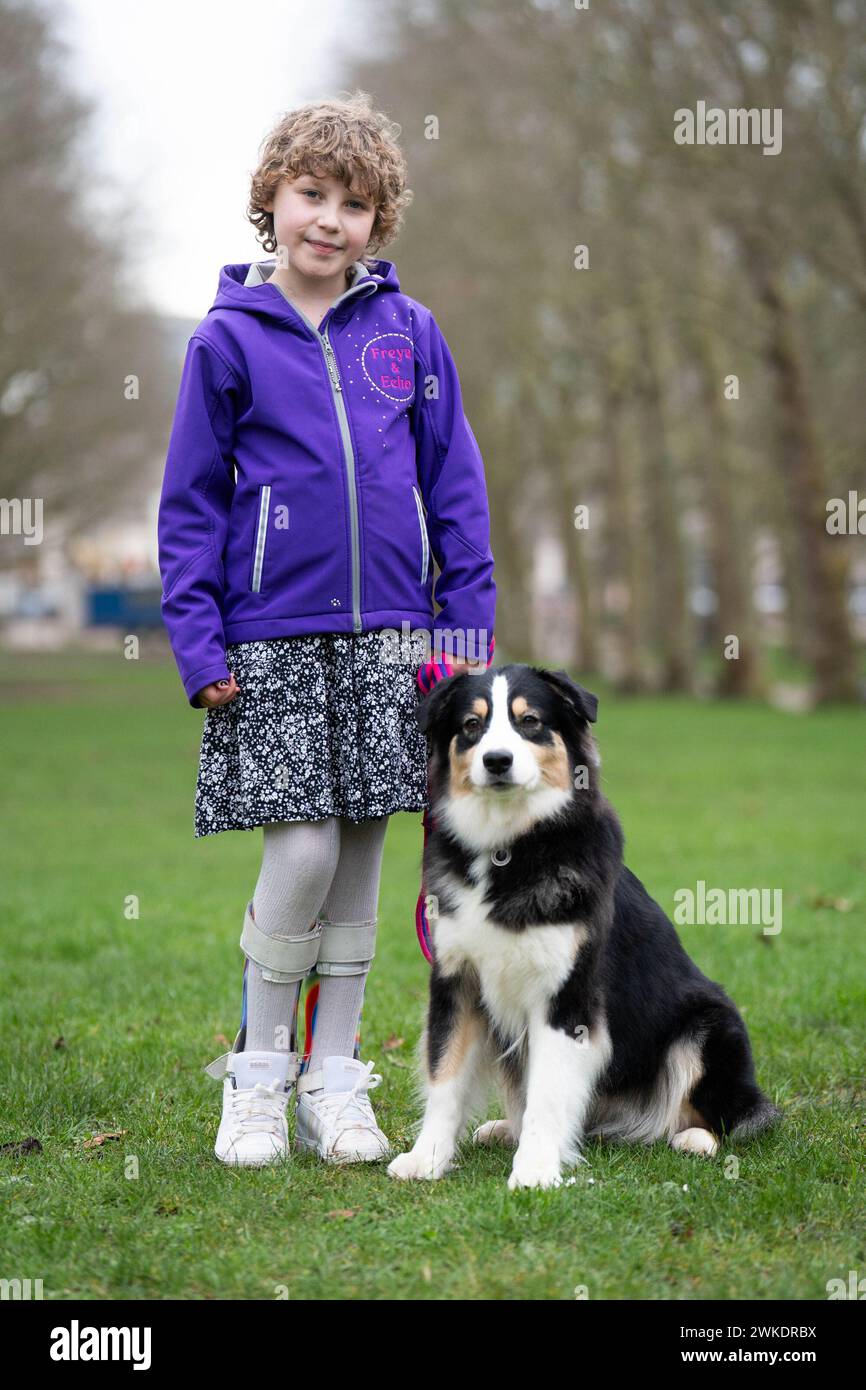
(101, 1138)
(825, 900)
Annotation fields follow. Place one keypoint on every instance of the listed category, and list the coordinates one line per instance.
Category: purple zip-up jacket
(311, 473)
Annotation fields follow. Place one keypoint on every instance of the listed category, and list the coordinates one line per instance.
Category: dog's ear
(435, 702)
(583, 702)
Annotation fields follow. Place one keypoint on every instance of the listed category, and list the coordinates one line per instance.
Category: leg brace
(283, 959)
(346, 948)
(331, 948)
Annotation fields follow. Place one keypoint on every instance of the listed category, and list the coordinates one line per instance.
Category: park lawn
(108, 1020)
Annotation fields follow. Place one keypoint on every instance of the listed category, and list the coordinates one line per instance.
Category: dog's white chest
(519, 971)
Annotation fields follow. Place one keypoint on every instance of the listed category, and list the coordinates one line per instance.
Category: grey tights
(329, 869)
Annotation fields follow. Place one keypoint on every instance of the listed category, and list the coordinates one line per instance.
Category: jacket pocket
(261, 535)
(425, 544)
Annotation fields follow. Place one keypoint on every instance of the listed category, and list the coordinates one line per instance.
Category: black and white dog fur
(555, 975)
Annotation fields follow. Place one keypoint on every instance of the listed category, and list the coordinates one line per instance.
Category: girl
(319, 454)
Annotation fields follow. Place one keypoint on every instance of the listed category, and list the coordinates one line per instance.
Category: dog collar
(500, 857)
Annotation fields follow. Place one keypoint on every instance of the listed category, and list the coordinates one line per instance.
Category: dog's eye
(530, 721)
(471, 724)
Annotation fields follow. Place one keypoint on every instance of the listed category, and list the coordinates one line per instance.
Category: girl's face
(319, 209)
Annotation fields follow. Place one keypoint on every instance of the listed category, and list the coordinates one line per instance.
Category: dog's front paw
(418, 1163)
(494, 1132)
(535, 1172)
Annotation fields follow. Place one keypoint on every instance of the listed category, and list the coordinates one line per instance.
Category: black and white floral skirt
(323, 726)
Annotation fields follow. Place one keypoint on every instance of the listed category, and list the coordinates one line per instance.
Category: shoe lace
(259, 1109)
(352, 1104)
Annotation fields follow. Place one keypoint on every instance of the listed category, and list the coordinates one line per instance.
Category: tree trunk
(822, 558)
(731, 562)
(621, 541)
(669, 614)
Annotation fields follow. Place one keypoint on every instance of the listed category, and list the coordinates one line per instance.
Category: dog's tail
(760, 1116)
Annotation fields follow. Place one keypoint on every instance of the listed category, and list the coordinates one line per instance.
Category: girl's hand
(219, 693)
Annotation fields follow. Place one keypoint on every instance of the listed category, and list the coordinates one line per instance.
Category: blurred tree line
(552, 128)
(531, 129)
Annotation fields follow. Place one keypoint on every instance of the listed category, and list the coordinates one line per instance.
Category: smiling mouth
(324, 245)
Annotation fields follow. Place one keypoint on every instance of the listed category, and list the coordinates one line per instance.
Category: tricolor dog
(555, 974)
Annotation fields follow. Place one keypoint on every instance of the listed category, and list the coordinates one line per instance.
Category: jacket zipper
(425, 546)
(349, 456)
(261, 537)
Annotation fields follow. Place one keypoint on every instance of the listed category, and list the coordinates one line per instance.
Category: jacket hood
(244, 286)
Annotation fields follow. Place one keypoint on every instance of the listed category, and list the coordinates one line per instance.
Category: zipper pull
(332, 366)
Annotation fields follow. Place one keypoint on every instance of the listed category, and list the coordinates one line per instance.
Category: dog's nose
(497, 761)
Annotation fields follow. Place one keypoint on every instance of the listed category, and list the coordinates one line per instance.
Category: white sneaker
(339, 1124)
(256, 1091)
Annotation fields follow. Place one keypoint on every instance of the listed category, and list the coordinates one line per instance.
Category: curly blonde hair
(342, 138)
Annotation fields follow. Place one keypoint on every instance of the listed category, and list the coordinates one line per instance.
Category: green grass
(99, 778)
